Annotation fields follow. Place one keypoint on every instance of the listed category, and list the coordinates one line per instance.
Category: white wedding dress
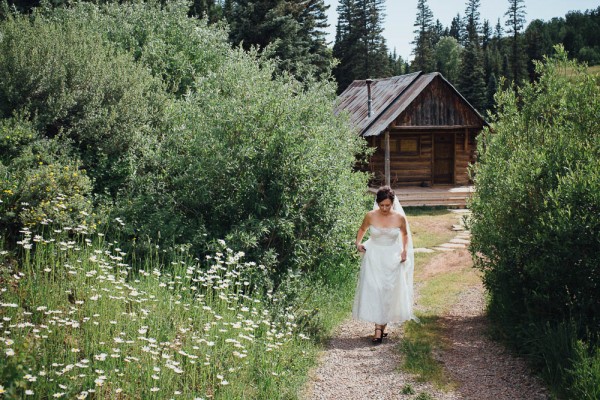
(384, 294)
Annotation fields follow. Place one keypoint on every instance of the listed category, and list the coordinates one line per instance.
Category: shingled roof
(390, 97)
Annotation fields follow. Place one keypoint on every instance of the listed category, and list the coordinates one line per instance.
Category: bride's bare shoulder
(399, 217)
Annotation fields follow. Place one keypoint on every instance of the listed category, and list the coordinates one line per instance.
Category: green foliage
(40, 183)
(83, 321)
(407, 389)
(447, 58)
(258, 160)
(75, 85)
(585, 372)
(193, 145)
(293, 30)
(425, 59)
(175, 48)
(359, 45)
(536, 212)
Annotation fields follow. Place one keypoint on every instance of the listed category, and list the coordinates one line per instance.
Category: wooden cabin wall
(415, 169)
(406, 169)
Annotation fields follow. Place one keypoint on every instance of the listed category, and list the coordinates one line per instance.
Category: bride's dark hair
(385, 192)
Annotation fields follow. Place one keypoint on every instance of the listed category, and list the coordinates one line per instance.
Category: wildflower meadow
(78, 322)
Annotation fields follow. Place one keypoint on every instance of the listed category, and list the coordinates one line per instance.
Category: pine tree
(209, 9)
(537, 44)
(396, 63)
(360, 46)
(438, 32)
(456, 28)
(424, 54)
(472, 81)
(292, 28)
(515, 23)
(492, 88)
(486, 34)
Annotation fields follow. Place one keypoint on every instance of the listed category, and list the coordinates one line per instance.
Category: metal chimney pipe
(369, 99)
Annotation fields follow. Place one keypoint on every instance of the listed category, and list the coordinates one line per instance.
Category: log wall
(416, 168)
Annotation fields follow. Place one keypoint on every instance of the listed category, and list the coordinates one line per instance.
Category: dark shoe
(377, 340)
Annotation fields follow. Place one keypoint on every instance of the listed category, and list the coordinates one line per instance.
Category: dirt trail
(483, 368)
(352, 368)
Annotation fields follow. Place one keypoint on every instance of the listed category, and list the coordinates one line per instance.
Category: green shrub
(175, 48)
(536, 213)
(195, 141)
(585, 372)
(260, 161)
(79, 88)
(40, 183)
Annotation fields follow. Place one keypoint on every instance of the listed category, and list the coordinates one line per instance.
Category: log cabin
(422, 129)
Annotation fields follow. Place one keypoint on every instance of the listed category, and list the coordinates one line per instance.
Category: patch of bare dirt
(435, 226)
(445, 262)
(484, 369)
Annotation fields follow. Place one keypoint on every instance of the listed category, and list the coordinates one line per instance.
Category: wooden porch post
(387, 157)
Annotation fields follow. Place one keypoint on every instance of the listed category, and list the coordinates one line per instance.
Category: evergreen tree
(472, 81)
(537, 44)
(292, 28)
(209, 9)
(360, 46)
(424, 54)
(456, 28)
(472, 20)
(498, 31)
(492, 88)
(486, 34)
(515, 23)
(438, 32)
(396, 64)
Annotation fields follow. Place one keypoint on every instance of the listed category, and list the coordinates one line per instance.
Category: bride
(385, 293)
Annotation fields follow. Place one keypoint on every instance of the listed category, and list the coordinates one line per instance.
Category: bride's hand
(360, 248)
(403, 256)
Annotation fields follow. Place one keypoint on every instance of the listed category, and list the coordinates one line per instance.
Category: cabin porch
(438, 196)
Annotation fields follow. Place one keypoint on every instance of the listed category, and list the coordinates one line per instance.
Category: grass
(78, 322)
(594, 69)
(437, 294)
(431, 227)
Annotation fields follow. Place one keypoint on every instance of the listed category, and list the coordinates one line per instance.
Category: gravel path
(483, 368)
(353, 368)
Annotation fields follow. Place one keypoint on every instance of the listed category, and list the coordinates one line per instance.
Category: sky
(401, 14)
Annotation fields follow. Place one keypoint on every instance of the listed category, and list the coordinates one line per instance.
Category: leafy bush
(40, 183)
(175, 48)
(585, 372)
(195, 141)
(76, 86)
(536, 213)
(258, 160)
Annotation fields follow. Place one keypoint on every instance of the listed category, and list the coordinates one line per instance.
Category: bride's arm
(361, 233)
(404, 233)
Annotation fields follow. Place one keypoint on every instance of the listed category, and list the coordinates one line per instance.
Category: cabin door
(443, 158)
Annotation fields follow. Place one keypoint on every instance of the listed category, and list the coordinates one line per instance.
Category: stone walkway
(460, 241)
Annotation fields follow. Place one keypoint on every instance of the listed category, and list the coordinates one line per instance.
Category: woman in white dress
(385, 287)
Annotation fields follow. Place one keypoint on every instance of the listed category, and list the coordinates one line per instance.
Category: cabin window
(409, 146)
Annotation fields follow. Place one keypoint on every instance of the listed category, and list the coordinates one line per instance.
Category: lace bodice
(384, 236)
